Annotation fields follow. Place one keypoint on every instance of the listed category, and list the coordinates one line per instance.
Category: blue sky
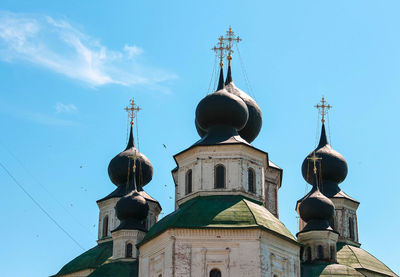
(67, 69)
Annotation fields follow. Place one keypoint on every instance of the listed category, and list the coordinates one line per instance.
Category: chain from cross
(132, 109)
(323, 108)
(231, 39)
(315, 159)
(220, 49)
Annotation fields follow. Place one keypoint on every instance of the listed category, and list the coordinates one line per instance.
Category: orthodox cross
(315, 159)
(231, 39)
(132, 109)
(323, 108)
(220, 49)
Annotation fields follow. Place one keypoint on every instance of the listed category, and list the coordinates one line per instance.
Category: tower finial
(323, 109)
(132, 109)
(220, 49)
(231, 39)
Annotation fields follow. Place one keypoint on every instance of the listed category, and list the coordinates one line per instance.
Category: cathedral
(226, 218)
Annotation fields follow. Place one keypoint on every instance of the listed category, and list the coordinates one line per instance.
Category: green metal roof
(120, 269)
(92, 258)
(328, 270)
(220, 211)
(360, 259)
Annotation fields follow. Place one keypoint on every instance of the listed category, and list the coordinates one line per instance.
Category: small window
(250, 180)
(351, 228)
(105, 226)
(320, 252)
(128, 252)
(189, 182)
(219, 177)
(332, 253)
(308, 254)
(215, 273)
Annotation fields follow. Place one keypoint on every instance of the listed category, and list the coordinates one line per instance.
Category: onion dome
(221, 114)
(316, 210)
(132, 210)
(332, 170)
(121, 166)
(254, 123)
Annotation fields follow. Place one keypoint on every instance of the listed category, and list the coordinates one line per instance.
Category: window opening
(189, 182)
(219, 177)
(250, 180)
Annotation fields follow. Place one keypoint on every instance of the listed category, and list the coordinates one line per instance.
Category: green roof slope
(328, 270)
(222, 211)
(120, 269)
(360, 259)
(92, 258)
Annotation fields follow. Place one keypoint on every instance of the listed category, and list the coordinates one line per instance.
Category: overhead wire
(244, 72)
(45, 189)
(40, 206)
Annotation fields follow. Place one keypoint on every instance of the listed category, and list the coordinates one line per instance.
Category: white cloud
(60, 47)
(133, 50)
(65, 108)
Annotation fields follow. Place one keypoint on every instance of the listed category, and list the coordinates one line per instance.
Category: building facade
(226, 218)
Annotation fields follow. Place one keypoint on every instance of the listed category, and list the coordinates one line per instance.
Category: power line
(39, 206)
(44, 188)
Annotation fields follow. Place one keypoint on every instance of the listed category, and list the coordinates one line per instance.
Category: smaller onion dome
(221, 112)
(332, 170)
(124, 162)
(316, 210)
(254, 123)
(132, 210)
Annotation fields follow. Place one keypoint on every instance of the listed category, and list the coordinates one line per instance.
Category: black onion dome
(119, 165)
(132, 210)
(316, 207)
(221, 108)
(254, 122)
(332, 165)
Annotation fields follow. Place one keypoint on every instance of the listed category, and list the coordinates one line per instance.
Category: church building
(226, 218)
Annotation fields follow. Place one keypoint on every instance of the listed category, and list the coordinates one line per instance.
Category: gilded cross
(323, 108)
(220, 49)
(132, 109)
(315, 159)
(231, 39)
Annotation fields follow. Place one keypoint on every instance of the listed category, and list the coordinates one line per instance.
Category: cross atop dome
(220, 50)
(132, 110)
(323, 109)
(231, 39)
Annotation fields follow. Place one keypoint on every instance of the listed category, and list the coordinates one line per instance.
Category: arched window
(251, 180)
(333, 253)
(215, 273)
(189, 181)
(219, 177)
(351, 228)
(308, 254)
(128, 250)
(105, 226)
(320, 252)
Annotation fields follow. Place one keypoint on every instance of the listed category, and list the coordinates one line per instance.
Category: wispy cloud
(65, 108)
(57, 45)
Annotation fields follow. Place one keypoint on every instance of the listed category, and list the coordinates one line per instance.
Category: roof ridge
(251, 212)
(355, 255)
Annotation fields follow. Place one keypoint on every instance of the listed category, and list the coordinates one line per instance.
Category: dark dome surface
(118, 167)
(333, 165)
(316, 207)
(221, 108)
(254, 122)
(132, 206)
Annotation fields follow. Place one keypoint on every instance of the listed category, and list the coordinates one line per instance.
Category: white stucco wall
(236, 253)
